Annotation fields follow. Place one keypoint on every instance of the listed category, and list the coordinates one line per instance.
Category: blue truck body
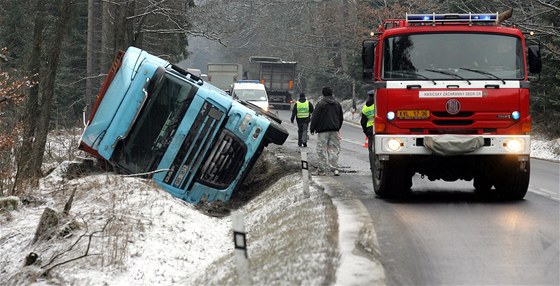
(191, 138)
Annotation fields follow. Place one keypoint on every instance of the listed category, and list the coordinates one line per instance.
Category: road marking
(545, 193)
(357, 244)
(352, 141)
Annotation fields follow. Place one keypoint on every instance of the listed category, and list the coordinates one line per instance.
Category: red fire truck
(452, 102)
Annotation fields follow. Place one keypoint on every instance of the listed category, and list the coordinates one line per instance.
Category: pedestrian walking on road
(302, 112)
(326, 122)
(368, 117)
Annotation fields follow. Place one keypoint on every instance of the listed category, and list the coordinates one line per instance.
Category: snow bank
(132, 233)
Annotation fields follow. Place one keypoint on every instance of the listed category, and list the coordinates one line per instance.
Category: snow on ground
(141, 235)
(126, 231)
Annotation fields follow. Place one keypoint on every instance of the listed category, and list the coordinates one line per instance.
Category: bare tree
(25, 165)
(47, 85)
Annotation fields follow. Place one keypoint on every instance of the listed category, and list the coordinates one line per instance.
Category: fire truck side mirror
(534, 57)
(368, 59)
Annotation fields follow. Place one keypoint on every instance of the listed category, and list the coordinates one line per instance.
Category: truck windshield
(250, 94)
(168, 100)
(452, 56)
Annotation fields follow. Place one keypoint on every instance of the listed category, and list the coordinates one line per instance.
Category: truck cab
(154, 119)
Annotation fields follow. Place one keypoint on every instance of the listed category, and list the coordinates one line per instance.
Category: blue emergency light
(425, 18)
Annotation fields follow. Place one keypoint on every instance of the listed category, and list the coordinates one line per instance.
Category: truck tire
(482, 184)
(391, 179)
(512, 181)
(276, 133)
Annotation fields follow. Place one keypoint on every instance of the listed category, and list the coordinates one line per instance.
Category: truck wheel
(512, 181)
(482, 183)
(276, 133)
(391, 179)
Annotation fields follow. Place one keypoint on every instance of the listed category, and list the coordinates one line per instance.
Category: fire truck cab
(452, 102)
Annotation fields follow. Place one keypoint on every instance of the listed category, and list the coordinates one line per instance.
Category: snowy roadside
(126, 231)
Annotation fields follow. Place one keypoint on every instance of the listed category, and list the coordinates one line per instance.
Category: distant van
(251, 91)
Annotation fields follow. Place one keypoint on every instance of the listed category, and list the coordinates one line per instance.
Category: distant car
(251, 91)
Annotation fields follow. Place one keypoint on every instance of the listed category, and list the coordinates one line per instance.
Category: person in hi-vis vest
(368, 118)
(302, 112)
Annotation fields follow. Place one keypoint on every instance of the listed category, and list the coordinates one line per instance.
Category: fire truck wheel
(512, 180)
(482, 183)
(276, 133)
(391, 179)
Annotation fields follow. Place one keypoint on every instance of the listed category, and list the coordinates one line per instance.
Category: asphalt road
(445, 234)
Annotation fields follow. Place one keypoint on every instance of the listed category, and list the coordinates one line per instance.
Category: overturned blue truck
(194, 140)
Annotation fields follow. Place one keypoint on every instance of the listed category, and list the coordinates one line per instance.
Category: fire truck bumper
(447, 145)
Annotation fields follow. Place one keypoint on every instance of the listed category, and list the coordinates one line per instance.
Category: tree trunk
(32, 106)
(65, 7)
(107, 30)
(90, 69)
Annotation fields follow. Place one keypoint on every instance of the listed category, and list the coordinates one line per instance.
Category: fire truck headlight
(390, 115)
(515, 145)
(515, 115)
(394, 144)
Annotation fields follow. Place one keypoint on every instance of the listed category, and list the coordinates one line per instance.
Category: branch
(84, 78)
(147, 173)
(548, 5)
(86, 253)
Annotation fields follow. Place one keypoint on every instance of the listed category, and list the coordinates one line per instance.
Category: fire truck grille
(420, 142)
(453, 122)
(224, 161)
(453, 131)
(443, 114)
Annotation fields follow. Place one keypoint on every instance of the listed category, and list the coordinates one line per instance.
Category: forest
(54, 54)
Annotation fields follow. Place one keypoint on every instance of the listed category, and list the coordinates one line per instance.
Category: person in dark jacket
(326, 122)
(368, 116)
(302, 112)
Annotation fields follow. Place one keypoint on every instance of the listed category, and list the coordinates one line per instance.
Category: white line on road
(545, 193)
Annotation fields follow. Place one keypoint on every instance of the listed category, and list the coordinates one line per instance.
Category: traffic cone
(366, 143)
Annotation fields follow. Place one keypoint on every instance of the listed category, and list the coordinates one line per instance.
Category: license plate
(413, 114)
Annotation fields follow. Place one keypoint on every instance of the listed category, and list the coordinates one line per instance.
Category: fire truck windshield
(168, 100)
(445, 56)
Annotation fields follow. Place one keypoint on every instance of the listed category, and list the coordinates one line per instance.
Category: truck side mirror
(534, 57)
(368, 58)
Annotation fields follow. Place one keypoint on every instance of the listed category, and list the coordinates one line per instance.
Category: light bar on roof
(427, 18)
